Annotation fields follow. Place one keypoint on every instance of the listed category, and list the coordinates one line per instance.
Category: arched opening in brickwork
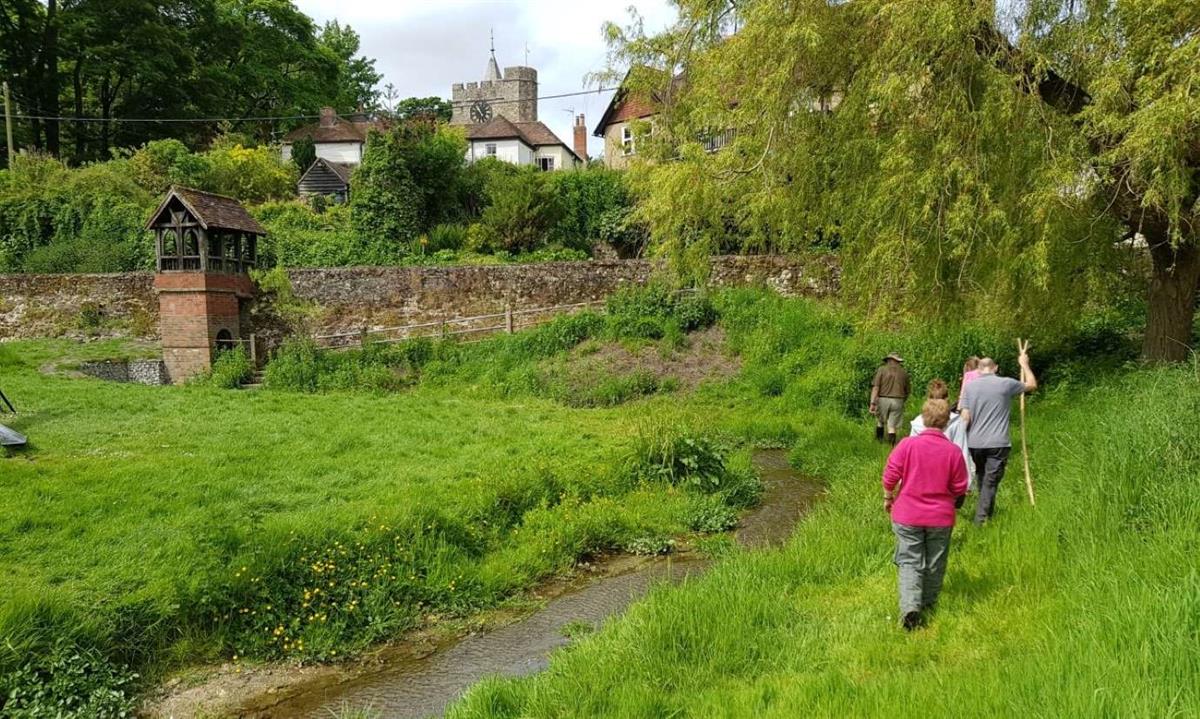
(225, 341)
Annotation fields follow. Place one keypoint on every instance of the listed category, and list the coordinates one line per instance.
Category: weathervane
(526, 53)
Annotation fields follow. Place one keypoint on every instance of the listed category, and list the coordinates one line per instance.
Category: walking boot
(879, 434)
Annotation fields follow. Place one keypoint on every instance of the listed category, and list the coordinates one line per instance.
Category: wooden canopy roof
(212, 211)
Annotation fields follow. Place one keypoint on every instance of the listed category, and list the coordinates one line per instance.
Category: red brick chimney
(328, 117)
(581, 138)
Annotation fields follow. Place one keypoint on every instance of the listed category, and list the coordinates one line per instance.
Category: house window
(627, 140)
(546, 163)
(490, 149)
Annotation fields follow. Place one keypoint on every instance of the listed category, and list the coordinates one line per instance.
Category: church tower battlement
(512, 95)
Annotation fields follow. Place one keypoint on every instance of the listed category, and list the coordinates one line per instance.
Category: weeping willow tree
(1005, 168)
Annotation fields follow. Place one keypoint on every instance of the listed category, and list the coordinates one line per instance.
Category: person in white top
(955, 431)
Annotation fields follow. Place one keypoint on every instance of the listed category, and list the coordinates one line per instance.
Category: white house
(337, 139)
(520, 143)
(339, 144)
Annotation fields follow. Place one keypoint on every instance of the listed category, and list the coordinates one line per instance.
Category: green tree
(436, 108)
(961, 172)
(435, 157)
(104, 60)
(304, 153)
(161, 163)
(356, 74)
(386, 205)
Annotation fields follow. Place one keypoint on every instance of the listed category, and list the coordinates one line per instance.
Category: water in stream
(423, 687)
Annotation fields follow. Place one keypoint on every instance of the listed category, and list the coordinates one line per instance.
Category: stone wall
(355, 298)
(118, 305)
(151, 372)
(352, 298)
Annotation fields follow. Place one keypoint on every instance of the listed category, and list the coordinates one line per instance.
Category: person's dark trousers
(989, 470)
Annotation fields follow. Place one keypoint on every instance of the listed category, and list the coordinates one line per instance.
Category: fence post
(508, 319)
(443, 328)
(253, 352)
(362, 337)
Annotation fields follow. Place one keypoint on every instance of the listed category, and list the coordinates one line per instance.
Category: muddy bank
(422, 675)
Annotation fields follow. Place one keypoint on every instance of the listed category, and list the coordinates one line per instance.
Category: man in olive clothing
(889, 390)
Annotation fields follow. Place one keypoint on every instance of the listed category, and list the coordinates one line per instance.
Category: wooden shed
(327, 178)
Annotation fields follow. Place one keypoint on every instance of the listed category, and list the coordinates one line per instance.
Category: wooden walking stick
(1022, 348)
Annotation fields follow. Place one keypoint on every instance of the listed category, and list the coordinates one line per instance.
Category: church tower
(511, 95)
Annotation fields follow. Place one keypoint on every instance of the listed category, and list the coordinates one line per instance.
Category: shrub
(679, 458)
(694, 311)
(521, 211)
(619, 227)
(57, 220)
(251, 175)
(159, 164)
(294, 366)
(585, 198)
(300, 236)
(446, 237)
(231, 368)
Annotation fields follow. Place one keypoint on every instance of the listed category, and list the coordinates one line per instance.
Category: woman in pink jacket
(924, 476)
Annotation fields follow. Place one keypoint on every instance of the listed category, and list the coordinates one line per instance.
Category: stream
(423, 686)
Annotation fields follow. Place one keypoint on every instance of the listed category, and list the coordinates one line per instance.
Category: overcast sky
(423, 46)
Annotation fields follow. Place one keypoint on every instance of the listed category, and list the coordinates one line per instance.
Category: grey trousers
(989, 470)
(921, 554)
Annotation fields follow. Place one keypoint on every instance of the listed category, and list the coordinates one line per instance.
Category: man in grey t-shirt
(986, 404)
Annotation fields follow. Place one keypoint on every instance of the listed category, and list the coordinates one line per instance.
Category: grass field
(146, 528)
(151, 528)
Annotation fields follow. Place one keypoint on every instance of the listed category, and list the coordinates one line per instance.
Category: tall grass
(1088, 605)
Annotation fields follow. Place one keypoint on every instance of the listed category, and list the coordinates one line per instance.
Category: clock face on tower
(481, 111)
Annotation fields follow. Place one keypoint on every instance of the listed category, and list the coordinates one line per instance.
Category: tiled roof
(342, 130)
(498, 128)
(214, 212)
(537, 134)
(625, 105)
(534, 134)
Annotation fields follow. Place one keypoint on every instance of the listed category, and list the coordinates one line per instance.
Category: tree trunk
(49, 62)
(1174, 282)
(77, 84)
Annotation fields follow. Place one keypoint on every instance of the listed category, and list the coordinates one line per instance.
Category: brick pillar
(194, 307)
(581, 135)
